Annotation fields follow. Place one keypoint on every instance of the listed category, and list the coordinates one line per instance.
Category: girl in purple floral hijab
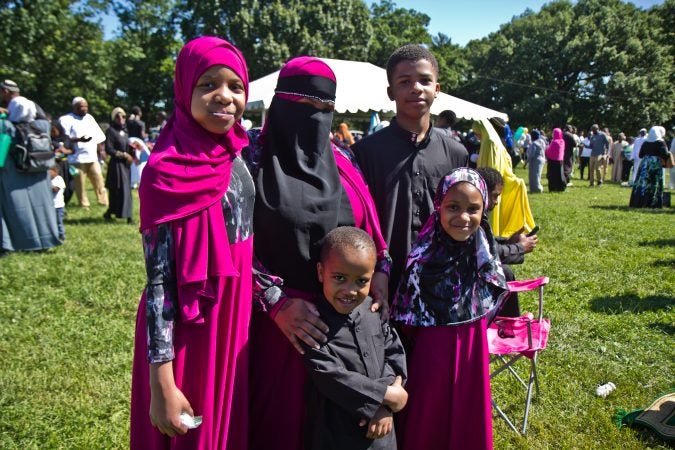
(452, 282)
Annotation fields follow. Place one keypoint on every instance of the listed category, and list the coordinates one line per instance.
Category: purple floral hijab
(448, 282)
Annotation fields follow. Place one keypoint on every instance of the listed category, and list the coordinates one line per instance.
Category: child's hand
(380, 425)
(396, 397)
(167, 402)
(515, 237)
(165, 410)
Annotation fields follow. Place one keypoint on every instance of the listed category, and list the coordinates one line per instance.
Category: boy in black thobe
(403, 163)
(355, 378)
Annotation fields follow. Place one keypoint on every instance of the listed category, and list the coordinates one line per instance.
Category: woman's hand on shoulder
(299, 320)
(379, 290)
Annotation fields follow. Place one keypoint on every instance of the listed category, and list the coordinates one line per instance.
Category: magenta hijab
(188, 174)
(556, 149)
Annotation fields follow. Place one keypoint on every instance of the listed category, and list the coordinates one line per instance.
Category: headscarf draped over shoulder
(447, 282)
(556, 149)
(188, 174)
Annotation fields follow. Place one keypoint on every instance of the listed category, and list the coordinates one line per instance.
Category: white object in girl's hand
(189, 421)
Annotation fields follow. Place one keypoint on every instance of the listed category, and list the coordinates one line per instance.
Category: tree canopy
(596, 61)
(592, 61)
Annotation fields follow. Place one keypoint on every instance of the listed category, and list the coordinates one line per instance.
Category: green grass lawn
(67, 323)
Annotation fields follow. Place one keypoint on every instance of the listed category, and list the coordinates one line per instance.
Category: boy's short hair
(56, 168)
(491, 176)
(135, 110)
(341, 237)
(410, 52)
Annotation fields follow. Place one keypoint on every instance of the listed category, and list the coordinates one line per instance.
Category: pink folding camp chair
(511, 339)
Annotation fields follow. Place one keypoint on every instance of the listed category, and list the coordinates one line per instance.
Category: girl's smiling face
(218, 99)
(461, 211)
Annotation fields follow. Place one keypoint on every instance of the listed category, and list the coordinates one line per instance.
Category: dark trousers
(583, 163)
(625, 169)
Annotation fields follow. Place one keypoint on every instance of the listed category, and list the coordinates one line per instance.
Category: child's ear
(390, 93)
(319, 272)
(438, 89)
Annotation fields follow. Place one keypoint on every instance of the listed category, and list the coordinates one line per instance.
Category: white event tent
(362, 86)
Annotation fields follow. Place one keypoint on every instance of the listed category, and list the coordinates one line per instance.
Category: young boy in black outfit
(355, 378)
(403, 163)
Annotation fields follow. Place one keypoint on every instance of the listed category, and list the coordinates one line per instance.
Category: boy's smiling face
(413, 87)
(346, 273)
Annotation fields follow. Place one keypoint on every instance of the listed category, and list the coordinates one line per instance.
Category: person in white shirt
(637, 145)
(19, 108)
(585, 155)
(58, 188)
(86, 136)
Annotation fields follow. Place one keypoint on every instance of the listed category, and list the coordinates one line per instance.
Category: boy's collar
(411, 137)
(327, 312)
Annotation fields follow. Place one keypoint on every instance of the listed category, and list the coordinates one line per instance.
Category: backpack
(33, 150)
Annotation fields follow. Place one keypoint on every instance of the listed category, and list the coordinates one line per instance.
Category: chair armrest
(527, 285)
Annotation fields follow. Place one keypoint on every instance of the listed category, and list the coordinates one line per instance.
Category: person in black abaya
(118, 179)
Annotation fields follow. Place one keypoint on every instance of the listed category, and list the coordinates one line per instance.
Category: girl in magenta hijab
(196, 207)
(554, 162)
(305, 187)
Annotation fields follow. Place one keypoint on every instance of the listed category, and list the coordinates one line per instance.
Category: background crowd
(33, 202)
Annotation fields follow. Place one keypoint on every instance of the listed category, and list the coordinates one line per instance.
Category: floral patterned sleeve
(267, 288)
(383, 263)
(160, 292)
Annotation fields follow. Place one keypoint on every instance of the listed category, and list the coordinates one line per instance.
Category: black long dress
(118, 179)
(555, 175)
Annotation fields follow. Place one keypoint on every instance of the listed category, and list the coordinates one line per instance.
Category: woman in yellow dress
(513, 213)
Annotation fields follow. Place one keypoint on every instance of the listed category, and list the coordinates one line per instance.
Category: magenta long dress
(213, 375)
(444, 362)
